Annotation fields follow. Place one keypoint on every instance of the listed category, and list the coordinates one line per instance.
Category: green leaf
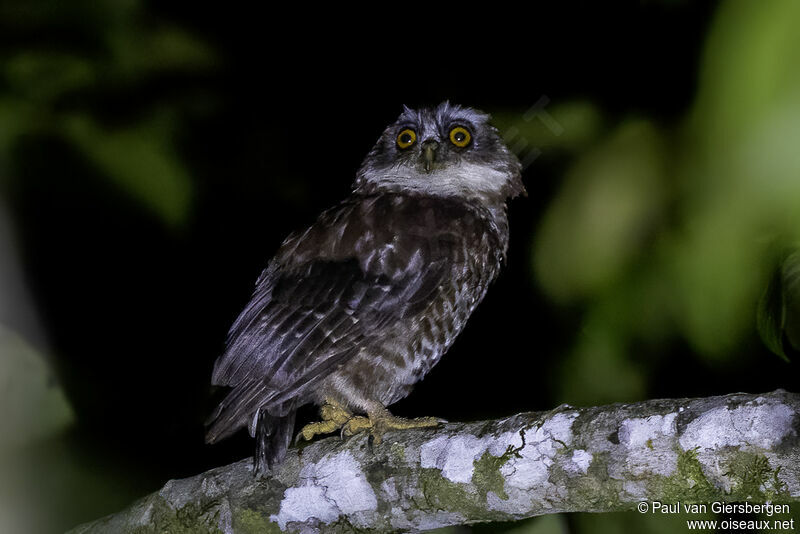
(770, 315)
(32, 405)
(141, 160)
(791, 299)
(778, 314)
(45, 76)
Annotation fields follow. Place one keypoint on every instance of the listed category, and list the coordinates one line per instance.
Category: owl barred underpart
(355, 310)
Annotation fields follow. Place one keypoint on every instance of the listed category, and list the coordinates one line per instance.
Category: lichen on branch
(737, 447)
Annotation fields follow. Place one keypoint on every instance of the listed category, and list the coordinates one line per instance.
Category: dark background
(267, 116)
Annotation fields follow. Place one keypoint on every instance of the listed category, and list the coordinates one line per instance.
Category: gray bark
(737, 447)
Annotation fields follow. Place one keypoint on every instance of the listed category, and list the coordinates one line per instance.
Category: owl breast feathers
(357, 308)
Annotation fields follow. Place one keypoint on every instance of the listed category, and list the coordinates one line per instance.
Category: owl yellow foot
(334, 417)
(382, 421)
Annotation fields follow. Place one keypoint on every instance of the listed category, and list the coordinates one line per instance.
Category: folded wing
(329, 293)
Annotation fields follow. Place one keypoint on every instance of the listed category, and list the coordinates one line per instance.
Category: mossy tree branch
(729, 448)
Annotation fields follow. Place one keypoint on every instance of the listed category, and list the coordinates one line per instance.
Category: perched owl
(356, 309)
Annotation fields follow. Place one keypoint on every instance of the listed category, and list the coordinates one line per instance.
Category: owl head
(448, 150)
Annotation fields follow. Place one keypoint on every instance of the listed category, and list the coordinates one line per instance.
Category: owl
(356, 309)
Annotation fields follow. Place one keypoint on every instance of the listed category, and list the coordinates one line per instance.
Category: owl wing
(359, 269)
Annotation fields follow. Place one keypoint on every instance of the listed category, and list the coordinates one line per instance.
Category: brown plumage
(358, 307)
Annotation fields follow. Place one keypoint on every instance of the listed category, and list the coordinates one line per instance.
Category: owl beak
(429, 149)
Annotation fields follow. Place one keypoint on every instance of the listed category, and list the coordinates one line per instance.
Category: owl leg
(334, 416)
(380, 420)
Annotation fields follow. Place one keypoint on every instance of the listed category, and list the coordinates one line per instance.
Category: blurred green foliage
(668, 232)
(33, 406)
(138, 159)
(54, 92)
(611, 201)
(778, 316)
(48, 483)
(623, 523)
(741, 171)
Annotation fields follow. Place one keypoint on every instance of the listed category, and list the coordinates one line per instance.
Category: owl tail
(273, 435)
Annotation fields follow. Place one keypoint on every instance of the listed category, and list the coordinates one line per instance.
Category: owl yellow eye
(406, 138)
(460, 136)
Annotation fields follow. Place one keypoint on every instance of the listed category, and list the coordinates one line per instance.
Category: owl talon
(380, 422)
(388, 422)
(334, 417)
(355, 425)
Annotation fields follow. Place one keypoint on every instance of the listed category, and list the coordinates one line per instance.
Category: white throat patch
(463, 179)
